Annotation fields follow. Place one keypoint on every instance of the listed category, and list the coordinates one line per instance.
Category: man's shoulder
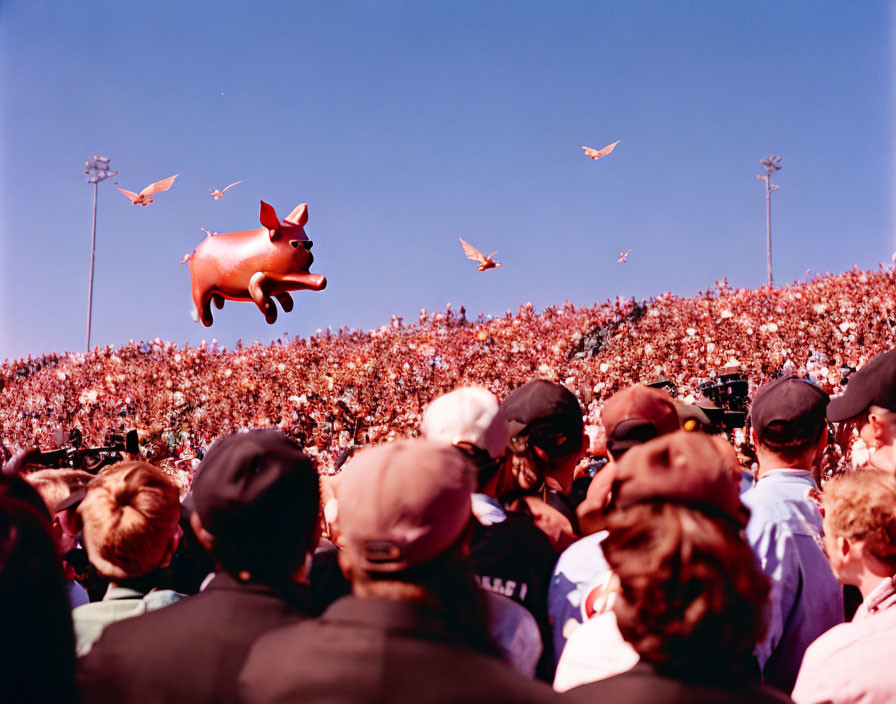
(198, 614)
(862, 635)
(348, 657)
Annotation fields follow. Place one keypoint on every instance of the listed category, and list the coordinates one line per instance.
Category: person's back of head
(470, 419)
(630, 418)
(256, 499)
(869, 404)
(37, 650)
(692, 593)
(636, 415)
(788, 417)
(860, 526)
(56, 485)
(404, 518)
(130, 514)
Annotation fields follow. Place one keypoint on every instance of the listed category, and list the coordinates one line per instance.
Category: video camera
(731, 394)
(90, 459)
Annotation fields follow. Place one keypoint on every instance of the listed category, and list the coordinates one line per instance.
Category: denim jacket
(785, 532)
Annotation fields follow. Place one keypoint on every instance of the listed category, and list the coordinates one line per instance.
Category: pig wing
(159, 186)
(471, 251)
(130, 195)
(598, 153)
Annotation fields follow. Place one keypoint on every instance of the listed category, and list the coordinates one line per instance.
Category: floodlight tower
(96, 169)
(771, 166)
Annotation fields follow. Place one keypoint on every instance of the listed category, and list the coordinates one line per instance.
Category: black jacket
(378, 651)
(188, 652)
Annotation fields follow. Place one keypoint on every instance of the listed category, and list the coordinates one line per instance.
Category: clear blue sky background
(407, 124)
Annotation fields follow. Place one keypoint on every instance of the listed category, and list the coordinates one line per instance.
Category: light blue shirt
(785, 532)
(119, 603)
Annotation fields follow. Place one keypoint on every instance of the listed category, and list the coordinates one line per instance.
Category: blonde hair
(56, 485)
(130, 514)
(861, 505)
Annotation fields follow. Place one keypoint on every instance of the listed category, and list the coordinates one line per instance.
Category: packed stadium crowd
(335, 391)
(675, 500)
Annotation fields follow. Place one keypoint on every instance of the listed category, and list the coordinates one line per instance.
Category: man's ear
(878, 427)
(586, 444)
(346, 564)
(171, 547)
(206, 539)
(843, 547)
(754, 438)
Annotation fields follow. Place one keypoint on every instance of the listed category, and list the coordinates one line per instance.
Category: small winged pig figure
(598, 153)
(145, 196)
(474, 254)
(217, 195)
(623, 257)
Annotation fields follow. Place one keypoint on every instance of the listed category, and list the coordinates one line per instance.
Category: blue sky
(404, 125)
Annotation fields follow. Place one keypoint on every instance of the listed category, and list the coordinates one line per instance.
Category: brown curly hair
(692, 593)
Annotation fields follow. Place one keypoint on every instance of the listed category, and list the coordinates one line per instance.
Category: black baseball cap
(873, 385)
(258, 495)
(549, 414)
(788, 410)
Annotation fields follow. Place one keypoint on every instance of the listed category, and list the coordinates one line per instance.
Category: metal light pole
(771, 165)
(96, 169)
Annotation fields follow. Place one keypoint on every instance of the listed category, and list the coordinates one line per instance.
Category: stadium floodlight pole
(771, 166)
(96, 169)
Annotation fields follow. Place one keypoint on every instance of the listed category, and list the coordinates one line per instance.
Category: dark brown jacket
(378, 650)
(188, 652)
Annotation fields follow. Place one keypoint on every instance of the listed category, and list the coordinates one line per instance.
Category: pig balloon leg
(218, 300)
(202, 301)
(258, 294)
(285, 301)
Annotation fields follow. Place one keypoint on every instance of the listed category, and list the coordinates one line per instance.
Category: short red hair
(130, 514)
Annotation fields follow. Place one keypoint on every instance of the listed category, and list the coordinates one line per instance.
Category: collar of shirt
(114, 593)
(786, 473)
(881, 598)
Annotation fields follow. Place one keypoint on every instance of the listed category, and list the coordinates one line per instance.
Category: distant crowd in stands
(545, 535)
(336, 391)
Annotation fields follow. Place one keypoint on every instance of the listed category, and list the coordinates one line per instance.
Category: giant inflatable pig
(254, 265)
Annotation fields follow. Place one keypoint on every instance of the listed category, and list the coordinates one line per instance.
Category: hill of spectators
(335, 390)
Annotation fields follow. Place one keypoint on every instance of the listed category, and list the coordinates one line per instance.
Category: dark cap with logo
(873, 385)
(788, 411)
(549, 414)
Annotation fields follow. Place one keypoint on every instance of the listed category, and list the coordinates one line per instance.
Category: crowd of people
(535, 508)
(335, 391)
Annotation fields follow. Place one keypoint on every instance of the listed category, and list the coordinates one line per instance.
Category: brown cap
(638, 414)
(404, 503)
(685, 468)
(873, 385)
(787, 411)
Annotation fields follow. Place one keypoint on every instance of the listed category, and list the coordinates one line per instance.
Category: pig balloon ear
(299, 215)
(269, 219)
